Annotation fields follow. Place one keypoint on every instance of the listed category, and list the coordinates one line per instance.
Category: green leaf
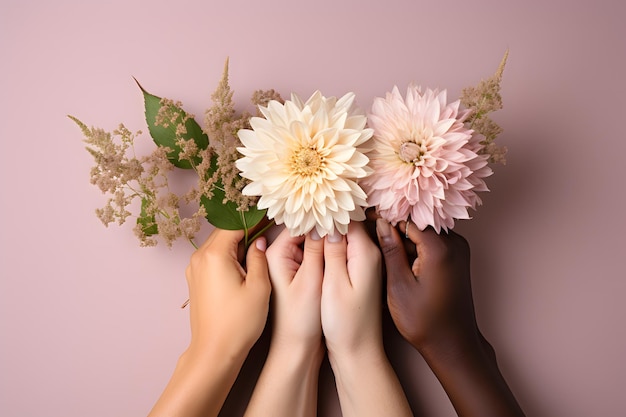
(226, 216)
(166, 136)
(148, 223)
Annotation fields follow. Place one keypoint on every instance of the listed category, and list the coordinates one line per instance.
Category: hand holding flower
(227, 302)
(430, 301)
(287, 385)
(296, 266)
(228, 310)
(351, 319)
(351, 295)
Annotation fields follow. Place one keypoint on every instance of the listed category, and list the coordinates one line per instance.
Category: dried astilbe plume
(127, 178)
(143, 183)
(482, 100)
(221, 125)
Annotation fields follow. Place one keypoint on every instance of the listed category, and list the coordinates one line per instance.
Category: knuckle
(202, 257)
(391, 250)
(449, 248)
(314, 249)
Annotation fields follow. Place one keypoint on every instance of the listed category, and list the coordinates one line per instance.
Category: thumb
(396, 261)
(256, 262)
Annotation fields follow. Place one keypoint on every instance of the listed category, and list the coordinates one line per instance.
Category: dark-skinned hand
(429, 296)
(430, 300)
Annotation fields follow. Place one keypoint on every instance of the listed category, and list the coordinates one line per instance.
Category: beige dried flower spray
(181, 144)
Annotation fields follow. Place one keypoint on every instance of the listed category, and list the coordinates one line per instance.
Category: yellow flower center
(306, 161)
(412, 152)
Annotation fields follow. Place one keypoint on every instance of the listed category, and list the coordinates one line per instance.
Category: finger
(360, 245)
(424, 237)
(224, 241)
(257, 275)
(357, 235)
(335, 257)
(362, 250)
(427, 243)
(284, 257)
(220, 248)
(396, 261)
(286, 246)
(313, 258)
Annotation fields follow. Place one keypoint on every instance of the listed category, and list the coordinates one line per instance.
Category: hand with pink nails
(228, 307)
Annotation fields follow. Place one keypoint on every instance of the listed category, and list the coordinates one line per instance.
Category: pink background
(90, 324)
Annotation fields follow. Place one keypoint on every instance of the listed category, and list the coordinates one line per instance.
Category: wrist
(469, 373)
(297, 354)
(218, 351)
(457, 346)
(350, 361)
(452, 349)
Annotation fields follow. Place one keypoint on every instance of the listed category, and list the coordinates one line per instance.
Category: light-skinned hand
(296, 266)
(288, 382)
(351, 293)
(352, 323)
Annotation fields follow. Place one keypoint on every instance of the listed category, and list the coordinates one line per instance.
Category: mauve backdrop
(90, 322)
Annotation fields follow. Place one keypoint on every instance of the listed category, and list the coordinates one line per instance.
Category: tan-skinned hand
(227, 302)
(228, 307)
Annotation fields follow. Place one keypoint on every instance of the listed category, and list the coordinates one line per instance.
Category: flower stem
(245, 231)
(262, 231)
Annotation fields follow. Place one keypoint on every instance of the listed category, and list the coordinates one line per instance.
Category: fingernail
(261, 244)
(384, 229)
(315, 235)
(335, 237)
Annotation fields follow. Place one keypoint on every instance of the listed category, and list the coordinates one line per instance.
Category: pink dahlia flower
(425, 160)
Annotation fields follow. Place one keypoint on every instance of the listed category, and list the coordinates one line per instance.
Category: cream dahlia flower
(304, 160)
(425, 161)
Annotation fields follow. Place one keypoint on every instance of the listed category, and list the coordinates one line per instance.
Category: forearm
(472, 380)
(288, 384)
(367, 385)
(200, 383)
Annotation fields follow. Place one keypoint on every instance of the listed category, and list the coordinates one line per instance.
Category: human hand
(430, 299)
(296, 266)
(352, 322)
(228, 308)
(288, 382)
(351, 294)
(228, 303)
